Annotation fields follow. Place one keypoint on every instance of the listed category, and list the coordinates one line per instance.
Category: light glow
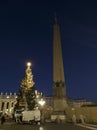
(41, 102)
(29, 64)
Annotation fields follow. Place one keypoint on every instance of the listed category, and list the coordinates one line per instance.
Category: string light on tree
(29, 81)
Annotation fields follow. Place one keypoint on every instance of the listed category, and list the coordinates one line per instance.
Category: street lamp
(73, 110)
(41, 102)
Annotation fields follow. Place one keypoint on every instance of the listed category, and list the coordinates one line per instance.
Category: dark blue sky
(26, 33)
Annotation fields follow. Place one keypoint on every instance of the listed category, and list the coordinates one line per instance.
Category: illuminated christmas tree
(26, 95)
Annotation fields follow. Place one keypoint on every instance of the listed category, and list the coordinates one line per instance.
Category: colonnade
(7, 103)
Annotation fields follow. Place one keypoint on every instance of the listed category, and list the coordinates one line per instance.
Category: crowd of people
(81, 119)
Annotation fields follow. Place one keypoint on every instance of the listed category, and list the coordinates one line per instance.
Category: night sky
(26, 34)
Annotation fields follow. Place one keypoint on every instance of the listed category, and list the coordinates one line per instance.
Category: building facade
(7, 103)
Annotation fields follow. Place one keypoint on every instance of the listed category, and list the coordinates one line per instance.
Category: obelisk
(59, 86)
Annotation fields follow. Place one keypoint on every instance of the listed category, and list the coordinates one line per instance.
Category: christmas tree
(26, 95)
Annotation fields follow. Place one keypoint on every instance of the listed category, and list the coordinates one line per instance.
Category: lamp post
(73, 109)
(42, 103)
(74, 116)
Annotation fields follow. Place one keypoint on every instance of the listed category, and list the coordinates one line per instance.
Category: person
(2, 119)
(20, 118)
(74, 119)
(82, 119)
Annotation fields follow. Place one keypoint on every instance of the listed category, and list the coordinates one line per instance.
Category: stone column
(5, 105)
(9, 108)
